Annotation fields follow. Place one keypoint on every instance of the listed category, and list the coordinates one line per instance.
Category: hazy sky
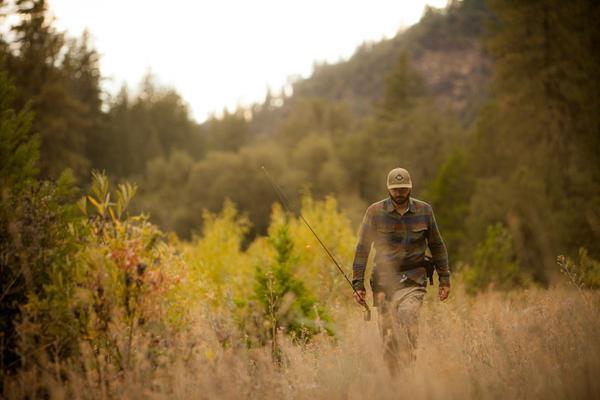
(222, 53)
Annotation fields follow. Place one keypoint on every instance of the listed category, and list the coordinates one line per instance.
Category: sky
(224, 53)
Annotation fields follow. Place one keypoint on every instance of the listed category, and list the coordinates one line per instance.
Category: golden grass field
(535, 343)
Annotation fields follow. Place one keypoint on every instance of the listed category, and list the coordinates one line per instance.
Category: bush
(280, 301)
(216, 260)
(585, 274)
(116, 283)
(35, 245)
(494, 265)
(314, 265)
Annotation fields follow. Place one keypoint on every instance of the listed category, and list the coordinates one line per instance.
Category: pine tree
(19, 148)
(539, 134)
(287, 304)
(36, 66)
(404, 86)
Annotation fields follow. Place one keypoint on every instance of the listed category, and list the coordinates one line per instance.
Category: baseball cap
(399, 178)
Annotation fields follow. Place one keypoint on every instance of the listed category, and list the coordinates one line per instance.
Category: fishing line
(285, 202)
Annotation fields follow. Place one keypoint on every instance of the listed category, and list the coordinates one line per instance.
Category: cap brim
(400, 186)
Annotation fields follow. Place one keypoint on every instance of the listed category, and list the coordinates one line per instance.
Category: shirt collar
(389, 206)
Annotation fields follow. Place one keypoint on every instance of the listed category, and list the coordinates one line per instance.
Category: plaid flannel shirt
(400, 242)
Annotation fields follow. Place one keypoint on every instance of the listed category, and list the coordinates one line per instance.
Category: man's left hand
(444, 292)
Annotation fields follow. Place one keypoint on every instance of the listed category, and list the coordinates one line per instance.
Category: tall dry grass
(529, 344)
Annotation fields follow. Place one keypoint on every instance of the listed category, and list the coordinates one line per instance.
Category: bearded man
(402, 230)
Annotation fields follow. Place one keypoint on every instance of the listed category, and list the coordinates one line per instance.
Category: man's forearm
(444, 275)
(358, 284)
(358, 276)
(363, 248)
(359, 266)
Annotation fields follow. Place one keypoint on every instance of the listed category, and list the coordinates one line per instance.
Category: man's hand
(360, 296)
(444, 292)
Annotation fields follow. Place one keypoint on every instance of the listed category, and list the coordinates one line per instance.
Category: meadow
(535, 343)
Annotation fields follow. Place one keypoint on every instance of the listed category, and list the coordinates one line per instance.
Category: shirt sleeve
(439, 253)
(363, 248)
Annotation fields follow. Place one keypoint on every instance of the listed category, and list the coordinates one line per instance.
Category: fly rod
(284, 201)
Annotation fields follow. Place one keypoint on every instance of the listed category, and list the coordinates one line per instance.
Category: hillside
(445, 48)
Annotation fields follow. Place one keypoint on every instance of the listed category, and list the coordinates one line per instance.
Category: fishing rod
(284, 201)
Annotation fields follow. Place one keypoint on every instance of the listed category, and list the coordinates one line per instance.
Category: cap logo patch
(399, 177)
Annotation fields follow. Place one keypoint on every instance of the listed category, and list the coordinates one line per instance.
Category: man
(402, 228)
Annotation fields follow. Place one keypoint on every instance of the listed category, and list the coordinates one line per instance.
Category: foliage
(35, 239)
(52, 77)
(584, 274)
(215, 259)
(19, 149)
(450, 195)
(36, 242)
(540, 116)
(283, 300)
(310, 116)
(314, 265)
(153, 125)
(230, 132)
(494, 263)
(126, 275)
(403, 86)
(163, 194)
(87, 285)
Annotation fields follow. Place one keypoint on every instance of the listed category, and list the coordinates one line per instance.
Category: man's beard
(400, 199)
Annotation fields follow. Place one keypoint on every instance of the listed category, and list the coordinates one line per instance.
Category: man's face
(400, 195)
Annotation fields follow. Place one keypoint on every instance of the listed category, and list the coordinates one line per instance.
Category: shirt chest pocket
(417, 233)
(390, 232)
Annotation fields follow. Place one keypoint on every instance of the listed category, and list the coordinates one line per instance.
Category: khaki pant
(398, 320)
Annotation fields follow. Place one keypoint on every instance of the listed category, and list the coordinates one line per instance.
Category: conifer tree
(403, 86)
(37, 67)
(287, 304)
(19, 148)
(539, 133)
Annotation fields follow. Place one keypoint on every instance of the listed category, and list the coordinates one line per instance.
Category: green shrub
(35, 245)
(315, 268)
(585, 274)
(218, 268)
(114, 283)
(494, 265)
(280, 301)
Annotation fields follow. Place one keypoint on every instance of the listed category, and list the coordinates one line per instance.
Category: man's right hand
(360, 296)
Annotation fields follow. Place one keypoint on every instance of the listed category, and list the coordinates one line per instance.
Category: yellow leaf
(112, 215)
(95, 203)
